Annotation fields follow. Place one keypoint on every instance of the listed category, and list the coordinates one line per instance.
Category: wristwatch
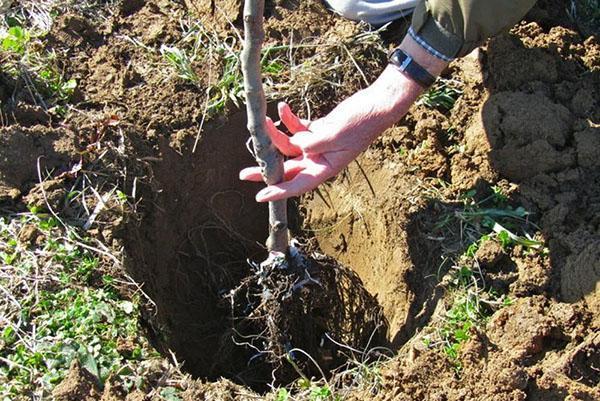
(409, 66)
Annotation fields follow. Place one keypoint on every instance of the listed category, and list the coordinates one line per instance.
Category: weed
(470, 303)
(491, 218)
(37, 68)
(230, 85)
(122, 197)
(315, 391)
(474, 247)
(15, 40)
(169, 394)
(57, 87)
(471, 307)
(198, 45)
(443, 94)
(53, 314)
(285, 75)
(181, 61)
(282, 395)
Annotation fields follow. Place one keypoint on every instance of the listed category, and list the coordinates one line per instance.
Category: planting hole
(199, 226)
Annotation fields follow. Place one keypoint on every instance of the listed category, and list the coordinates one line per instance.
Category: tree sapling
(267, 156)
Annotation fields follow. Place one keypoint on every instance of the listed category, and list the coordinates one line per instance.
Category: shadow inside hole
(198, 226)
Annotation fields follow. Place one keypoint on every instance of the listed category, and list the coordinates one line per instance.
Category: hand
(318, 151)
(322, 148)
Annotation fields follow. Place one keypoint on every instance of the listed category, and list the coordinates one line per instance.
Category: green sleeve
(452, 28)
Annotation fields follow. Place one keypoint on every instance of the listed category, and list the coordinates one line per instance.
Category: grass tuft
(442, 95)
(26, 61)
(492, 218)
(470, 301)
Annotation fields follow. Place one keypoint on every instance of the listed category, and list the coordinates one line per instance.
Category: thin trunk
(267, 156)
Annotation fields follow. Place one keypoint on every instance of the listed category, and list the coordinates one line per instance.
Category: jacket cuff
(438, 41)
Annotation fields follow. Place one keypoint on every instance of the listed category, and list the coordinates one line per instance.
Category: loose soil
(527, 121)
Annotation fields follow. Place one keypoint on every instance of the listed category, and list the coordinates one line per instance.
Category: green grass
(37, 68)
(470, 305)
(212, 63)
(62, 305)
(442, 95)
(469, 301)
(57, 87)
(305, 389)
(16, 40)
(492, 217)
(78, 314)
(200, 50)
(182, 63)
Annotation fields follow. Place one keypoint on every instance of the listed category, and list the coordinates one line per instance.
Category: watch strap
(406, 64)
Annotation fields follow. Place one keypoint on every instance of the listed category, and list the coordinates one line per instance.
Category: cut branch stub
(267, 156)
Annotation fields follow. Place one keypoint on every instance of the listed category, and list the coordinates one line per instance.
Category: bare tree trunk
(267, 156)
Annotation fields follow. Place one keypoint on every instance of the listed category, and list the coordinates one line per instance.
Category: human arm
(440, 31)
(320, 149)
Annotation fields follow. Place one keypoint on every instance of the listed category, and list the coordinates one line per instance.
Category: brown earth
(528, 114)
(528, 121)
(21, 149)
(79, 384)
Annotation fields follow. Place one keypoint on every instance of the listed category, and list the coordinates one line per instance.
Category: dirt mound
(20, 150)
(497, 357)
(219, 15)
(492, 363)
(79, 384)
(547, 150)
(527, 113)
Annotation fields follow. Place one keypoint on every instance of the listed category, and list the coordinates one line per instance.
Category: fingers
(302, 138)
(251, 174)
(301, 175)
(291, 169)
(291, 121)
(303, 182)
(281, 140)
(308, 142)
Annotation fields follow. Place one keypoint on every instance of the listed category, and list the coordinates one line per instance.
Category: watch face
(401, 59)
(406, 64)
(398, 57)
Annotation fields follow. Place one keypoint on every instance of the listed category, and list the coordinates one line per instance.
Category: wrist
(428, 61)
(402, 61)
(394, 92)
(368, 113)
